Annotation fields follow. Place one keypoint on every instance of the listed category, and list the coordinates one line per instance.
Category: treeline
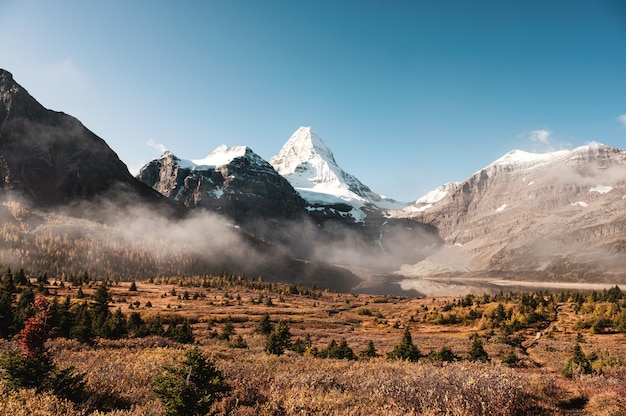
(70, 250)
(279, 339)
(600, 311)
(81, 318)
(239, 281)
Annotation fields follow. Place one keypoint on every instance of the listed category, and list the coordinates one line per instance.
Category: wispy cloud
(540, 136)
(622, 119)
(158, 146)
(543, 140)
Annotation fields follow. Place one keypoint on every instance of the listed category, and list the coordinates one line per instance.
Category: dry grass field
(119, 373)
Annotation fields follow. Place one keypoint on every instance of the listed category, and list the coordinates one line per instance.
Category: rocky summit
(232, 181)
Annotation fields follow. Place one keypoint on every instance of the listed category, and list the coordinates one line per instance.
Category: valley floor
(295, 384)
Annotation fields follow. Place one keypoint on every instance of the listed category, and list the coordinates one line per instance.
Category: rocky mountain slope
(538, 215)
(233, 181)
(50, 158)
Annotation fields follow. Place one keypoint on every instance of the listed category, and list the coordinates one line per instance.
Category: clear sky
(408, 94)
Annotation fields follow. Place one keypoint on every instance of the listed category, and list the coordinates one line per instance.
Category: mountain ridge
(536, 213)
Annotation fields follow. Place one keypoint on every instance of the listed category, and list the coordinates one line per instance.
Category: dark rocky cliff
(50, 158)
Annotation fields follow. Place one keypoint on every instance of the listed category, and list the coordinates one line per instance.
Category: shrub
(370, 351)
(444, 354)
(477, 352)
(192, 387)
(405, 350)
(278, 340)
(578, 364)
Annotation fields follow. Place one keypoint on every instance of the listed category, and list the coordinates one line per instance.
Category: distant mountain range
(541, 216)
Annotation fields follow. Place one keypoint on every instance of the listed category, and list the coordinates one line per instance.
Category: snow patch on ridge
(580, 203)
(601, 189)
(431, 198)
(221, 156)
(501, 208)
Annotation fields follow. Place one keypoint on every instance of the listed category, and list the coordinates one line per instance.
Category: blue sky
(408, 94)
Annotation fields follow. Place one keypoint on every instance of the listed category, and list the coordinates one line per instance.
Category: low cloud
(622, 119)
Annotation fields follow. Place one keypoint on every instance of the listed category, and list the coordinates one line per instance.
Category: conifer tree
(405, 350)
(278, 340)
(370, 351)
(6, 312)
(264, 326)
(192, 387)
(477, 352)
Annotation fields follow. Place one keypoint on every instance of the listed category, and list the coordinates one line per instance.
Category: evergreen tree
(61, 319)
(182, 333)
(370, 351)
(20, 278)
(579, 363)
(136, 325)
(444, 354)
(133, 287)
(81, 329)
(8, 282)
(340, 352)
(228, 329)
(278, 340)
(24, 308)
(405, 350)
(6, 312)
(191, 388)
(116, 327)
(264, 326)
(477, 352)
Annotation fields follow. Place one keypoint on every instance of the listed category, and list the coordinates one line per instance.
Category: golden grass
(120, 371)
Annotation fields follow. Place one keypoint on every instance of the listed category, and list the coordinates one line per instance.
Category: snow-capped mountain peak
(221, 156)
(310, 166)
(303, 146)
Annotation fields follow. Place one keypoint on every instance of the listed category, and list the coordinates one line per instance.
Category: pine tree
(477, 352)
(24, 308)
(192, 387)
(81, 328)
(579, 363)
(116, 327)
(278, 340)
(6, 312)
(405, 350)
(370, 351)
(264, 326)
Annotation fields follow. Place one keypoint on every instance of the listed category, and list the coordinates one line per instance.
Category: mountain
(316, 221)
(310, 166)
(50, 158)
(233, 181)
(543, 216)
